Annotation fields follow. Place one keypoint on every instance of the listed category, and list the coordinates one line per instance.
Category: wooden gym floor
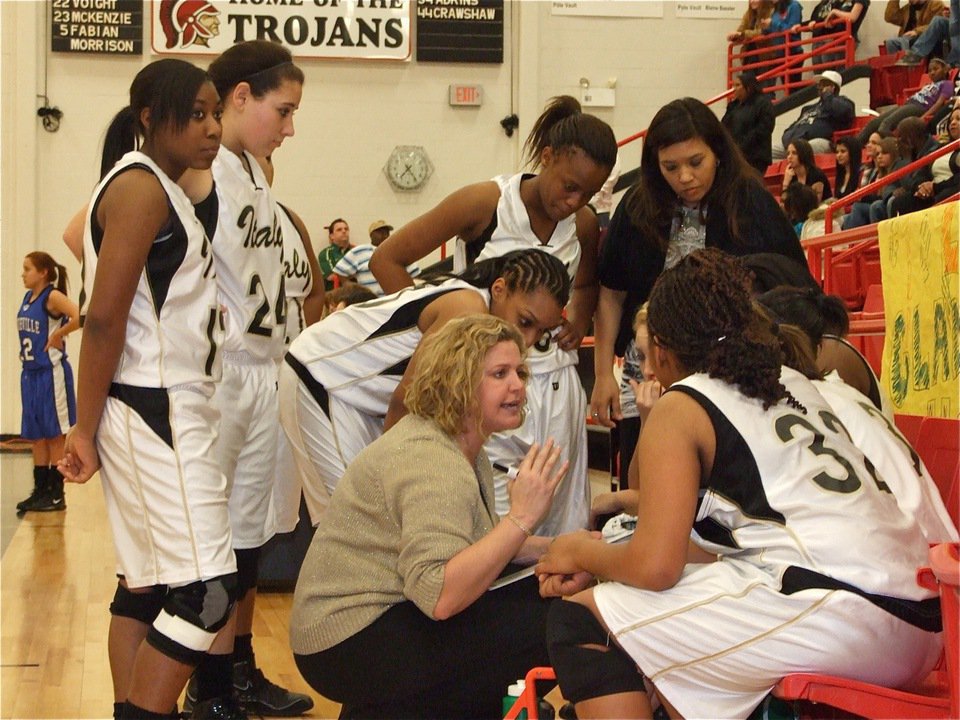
(57, 578)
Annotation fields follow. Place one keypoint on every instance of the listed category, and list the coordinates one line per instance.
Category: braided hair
(701, 310)
(523, 271)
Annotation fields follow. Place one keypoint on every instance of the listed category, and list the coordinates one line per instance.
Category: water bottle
(513, 694)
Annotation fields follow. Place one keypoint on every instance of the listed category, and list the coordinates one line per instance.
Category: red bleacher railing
(886, 180)
(779, 61)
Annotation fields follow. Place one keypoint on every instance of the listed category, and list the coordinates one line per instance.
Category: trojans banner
(921, 353)
(340, 29)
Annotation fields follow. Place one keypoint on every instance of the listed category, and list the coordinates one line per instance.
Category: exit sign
(466, 95)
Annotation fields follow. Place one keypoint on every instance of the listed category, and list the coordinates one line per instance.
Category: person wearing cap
(820, 120)
(339, 235)
(925, 103)
(354, 266)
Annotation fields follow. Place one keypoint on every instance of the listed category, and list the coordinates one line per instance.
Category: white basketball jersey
(248, 249)
(297, 280)
(512, 231)
(360, 353)
(174, 329)
(789, 490)
(893, 457)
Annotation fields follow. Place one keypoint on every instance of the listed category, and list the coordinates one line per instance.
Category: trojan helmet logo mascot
(189, 22)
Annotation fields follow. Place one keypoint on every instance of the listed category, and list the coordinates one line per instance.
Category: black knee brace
(248, 570)
(192, 616)
(585, 672)
(143, 606)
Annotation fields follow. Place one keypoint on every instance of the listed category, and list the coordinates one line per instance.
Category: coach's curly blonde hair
(449, 368)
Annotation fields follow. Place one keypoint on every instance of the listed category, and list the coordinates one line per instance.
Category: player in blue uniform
(45, 318)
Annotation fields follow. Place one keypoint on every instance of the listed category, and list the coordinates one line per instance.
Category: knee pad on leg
(583, 670)
(248, 570)
(192, 616)
(143, 605)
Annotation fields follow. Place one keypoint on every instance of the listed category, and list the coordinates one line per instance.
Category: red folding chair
(937, 697)
(939, 448)
(909, 425)
(528, 698)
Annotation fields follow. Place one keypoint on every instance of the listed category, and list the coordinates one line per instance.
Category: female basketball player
(45, 318)
(148, 364)
(574, 153)
(261, 90)
(344, 379)
(800, 560)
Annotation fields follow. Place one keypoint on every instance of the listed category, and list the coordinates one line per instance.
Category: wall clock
(408, 168)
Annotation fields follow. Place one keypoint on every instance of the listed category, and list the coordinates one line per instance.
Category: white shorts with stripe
(322, 445)
(166, 502)
(287, 487)
(718, 641)
(247, 446)
(556, 408)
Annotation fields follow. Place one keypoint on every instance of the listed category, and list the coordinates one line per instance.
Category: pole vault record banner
(337, 29)
(921, 351)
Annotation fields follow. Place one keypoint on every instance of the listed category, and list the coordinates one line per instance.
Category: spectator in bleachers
(887, 160)
(925, 103)
(798, 202)
(750, 120)
(786, 15)
(354, 266)
(931, 40)
(751, 25)
(915, 143)
(339, 237)
(868, 169)
(849, 155)
(834, 12)
(802, 168)
(820, 120)
(934, 182)
(912, 17)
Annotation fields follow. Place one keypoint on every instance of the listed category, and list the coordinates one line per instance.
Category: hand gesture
(568, 337)
(925, 189)
(564, 585)
(80, 459)
(560, 557)
(605, 400)
(532, 491)
(647, 392)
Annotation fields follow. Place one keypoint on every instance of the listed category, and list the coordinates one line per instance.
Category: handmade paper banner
(921, 353)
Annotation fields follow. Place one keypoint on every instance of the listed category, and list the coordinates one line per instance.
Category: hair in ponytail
(563, 126)
(167, 88)
(56, 273)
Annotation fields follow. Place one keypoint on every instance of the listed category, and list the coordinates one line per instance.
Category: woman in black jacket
(695, 190)
(750, 120)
